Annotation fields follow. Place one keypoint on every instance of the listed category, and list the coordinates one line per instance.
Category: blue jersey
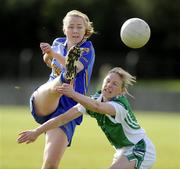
(82, 79)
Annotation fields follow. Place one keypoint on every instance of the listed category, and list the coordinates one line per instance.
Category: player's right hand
(45, 47)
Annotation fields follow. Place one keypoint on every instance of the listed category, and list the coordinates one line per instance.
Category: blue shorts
(68, 128)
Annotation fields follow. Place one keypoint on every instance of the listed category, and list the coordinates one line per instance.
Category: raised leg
(46, 98)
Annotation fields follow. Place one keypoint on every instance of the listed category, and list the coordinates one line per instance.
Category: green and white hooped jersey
(122, 129)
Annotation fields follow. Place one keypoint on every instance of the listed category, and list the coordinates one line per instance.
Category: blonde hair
(127, 79)
(88, 24)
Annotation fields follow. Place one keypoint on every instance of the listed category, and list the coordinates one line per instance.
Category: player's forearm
(58, 121)
(50, 124)
(47, 59)
(59, 58)
(87, 102)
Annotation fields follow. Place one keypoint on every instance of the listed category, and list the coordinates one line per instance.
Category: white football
(135, 33)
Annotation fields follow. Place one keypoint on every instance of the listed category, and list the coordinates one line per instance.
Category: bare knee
(119, 167)
(113, 167)
(50, 165)
(50, 161)
(123, 163)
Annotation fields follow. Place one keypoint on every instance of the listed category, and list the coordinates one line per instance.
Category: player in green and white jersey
(111, 109)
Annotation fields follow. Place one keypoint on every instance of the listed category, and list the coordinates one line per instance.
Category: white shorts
(143, 153)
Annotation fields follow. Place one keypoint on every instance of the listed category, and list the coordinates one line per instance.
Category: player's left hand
(27, 136)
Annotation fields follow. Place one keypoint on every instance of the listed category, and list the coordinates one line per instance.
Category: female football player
(71, 59)
(111, 109)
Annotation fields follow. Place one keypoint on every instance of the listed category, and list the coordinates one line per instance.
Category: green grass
(90, 149)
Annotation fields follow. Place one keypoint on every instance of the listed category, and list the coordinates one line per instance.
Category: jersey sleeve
(58, 41)
(56, 45)
(120, 111)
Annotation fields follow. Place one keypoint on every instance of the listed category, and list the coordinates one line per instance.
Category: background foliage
(24, 24)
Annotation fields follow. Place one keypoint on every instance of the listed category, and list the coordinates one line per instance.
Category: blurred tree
(24, 24)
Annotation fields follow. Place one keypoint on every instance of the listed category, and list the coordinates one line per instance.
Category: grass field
(90, 149)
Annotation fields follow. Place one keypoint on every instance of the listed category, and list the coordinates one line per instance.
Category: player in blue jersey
(71, 59)
(111, 109)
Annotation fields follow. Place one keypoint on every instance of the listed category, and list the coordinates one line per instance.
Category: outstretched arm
(31, 135)
(87, 102)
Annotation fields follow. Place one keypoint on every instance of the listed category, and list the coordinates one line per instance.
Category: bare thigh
(55, 146)
(123, 163)
(46, 98)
